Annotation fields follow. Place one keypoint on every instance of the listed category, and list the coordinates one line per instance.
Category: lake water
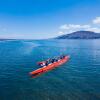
(79, 79)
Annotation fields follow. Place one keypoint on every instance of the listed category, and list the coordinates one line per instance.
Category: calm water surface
(79, 79)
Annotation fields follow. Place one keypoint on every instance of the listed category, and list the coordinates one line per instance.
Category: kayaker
(63, 56)
(46, 63)
(56, 59)
(60, 57)
(53, 60)
(42, 64)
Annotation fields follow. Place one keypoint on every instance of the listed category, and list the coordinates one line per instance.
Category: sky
(40, 19)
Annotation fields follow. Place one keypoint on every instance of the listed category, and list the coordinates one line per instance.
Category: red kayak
(49, 67)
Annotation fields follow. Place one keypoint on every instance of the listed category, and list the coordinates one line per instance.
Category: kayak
(49, 67)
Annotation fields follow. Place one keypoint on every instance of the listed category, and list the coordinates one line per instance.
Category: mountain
(80, 35)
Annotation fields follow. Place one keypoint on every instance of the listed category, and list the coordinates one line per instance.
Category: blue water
(79, 79)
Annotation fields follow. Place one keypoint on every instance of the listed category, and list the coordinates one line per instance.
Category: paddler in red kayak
(47, 62)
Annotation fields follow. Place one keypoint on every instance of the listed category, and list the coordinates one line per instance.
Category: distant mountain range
(80, 35)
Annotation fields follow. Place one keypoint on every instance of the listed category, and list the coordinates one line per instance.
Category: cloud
(94, 29)
(69, 28)
(60, 32)
(96, 20)
(65, 26)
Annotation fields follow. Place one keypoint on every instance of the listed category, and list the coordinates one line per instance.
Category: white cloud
(94, 29)
(69, 28)
(96, 20)
(60, 32)
(64, 26)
